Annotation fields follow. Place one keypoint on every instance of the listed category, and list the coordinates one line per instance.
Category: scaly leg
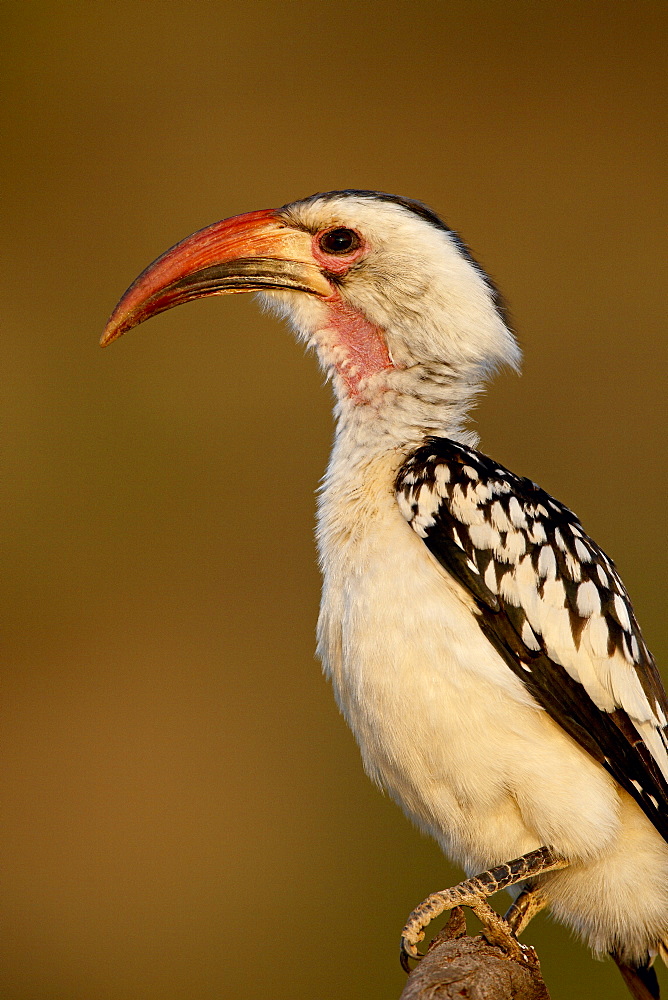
(472, 893)
(530, 901)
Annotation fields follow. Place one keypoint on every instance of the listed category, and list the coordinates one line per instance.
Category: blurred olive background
(185, 811)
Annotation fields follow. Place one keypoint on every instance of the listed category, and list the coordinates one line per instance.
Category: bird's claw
(408, 950)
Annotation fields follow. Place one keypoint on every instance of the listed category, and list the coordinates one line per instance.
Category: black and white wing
(551, 603)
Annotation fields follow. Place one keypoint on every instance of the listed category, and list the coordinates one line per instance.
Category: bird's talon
(408, 952)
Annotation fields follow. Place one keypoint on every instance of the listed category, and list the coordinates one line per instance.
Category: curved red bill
(242, 254)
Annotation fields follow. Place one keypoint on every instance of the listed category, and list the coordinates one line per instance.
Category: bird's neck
(385, 401)
(377, 428)
(395, 410)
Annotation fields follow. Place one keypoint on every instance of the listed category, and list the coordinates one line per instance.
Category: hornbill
(481, 646)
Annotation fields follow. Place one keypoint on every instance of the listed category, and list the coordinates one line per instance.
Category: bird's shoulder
(551, 602)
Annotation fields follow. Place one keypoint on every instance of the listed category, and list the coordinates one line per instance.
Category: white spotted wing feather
(553, 605)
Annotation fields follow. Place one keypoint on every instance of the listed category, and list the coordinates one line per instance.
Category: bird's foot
(472, 893)
(495, 928)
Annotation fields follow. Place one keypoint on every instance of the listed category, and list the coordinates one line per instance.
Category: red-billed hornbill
(481, 646)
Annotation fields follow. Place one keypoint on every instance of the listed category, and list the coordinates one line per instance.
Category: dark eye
(339, 241)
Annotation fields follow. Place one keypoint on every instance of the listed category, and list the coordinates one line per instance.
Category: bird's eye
(339, 241)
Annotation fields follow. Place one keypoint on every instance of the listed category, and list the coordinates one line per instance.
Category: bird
(480, 645)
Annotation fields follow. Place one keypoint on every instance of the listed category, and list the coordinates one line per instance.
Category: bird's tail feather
(641, 979)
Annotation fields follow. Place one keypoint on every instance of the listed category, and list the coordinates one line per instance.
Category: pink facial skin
(366, 352)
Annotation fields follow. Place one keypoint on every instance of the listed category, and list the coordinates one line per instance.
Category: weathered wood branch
(457, 966)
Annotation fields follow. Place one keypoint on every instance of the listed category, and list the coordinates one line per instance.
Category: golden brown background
(186, 814)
